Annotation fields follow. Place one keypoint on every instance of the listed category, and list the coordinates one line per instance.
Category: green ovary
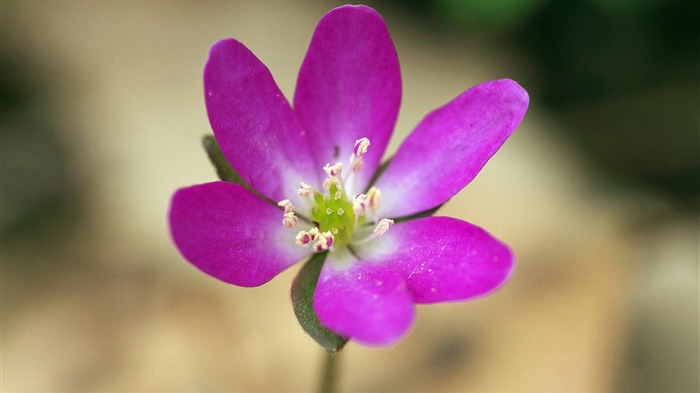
(333, 213)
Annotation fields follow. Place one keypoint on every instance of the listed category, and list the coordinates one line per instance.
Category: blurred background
(597, 193)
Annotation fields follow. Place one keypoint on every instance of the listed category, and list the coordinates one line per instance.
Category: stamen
(333, 170)
(359, 204)
(361, 146)
(328, 182)
(383, 226)
(340, 211)
(323, 241)
(380, 229)
(287, 205)
(356, 164)
(304, 190)
(373, 197)
(303, 239)
(290, 220)
(334, 173)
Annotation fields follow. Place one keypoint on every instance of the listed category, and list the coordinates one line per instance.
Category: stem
(329, 378)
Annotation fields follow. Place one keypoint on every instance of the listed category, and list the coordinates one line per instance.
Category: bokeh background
(597, 192)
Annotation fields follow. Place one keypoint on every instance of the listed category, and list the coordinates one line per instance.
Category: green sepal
(303, 290)
(379, 172)
(223, 168)
(426, 213)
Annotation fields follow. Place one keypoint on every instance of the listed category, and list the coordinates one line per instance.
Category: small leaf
(303, 290)
(223, 168)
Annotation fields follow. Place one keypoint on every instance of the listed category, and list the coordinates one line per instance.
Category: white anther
(303, 239)
(333, 170)
(361, 146)
(334, 230)
(304, 190)
(337, 195)
(373, 197)
(340, 211)
(329, 239)
(287, 205)
(290, 220)
(383, 226)
(323, 241)
(329, 210)
(359, 204)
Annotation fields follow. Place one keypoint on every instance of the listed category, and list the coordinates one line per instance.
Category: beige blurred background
(96, 298)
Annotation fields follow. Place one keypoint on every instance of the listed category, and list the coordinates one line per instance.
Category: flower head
(314, 167)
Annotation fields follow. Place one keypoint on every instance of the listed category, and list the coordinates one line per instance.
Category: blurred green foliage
(35, 191)
(484, 15)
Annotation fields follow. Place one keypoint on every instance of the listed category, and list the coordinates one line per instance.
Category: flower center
(334, 214)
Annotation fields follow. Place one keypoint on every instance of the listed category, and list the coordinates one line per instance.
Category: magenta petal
(450, 146)
(256, 128)
(364, 302)
(349, 87)
(231, 234)
(442, 258)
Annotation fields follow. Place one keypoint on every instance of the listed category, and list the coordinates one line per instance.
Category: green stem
(329, 379)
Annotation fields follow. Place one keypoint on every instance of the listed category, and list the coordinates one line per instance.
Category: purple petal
(231, 234)
(256, 128)
(349, 87)
(450, 146)
(365, 302)
(442, 258)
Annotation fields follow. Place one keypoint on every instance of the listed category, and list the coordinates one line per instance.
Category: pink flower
(315, 165)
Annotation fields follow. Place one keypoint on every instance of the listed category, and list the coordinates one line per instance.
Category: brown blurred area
(103, 122)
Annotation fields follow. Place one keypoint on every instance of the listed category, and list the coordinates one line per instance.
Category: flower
(312, 167)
